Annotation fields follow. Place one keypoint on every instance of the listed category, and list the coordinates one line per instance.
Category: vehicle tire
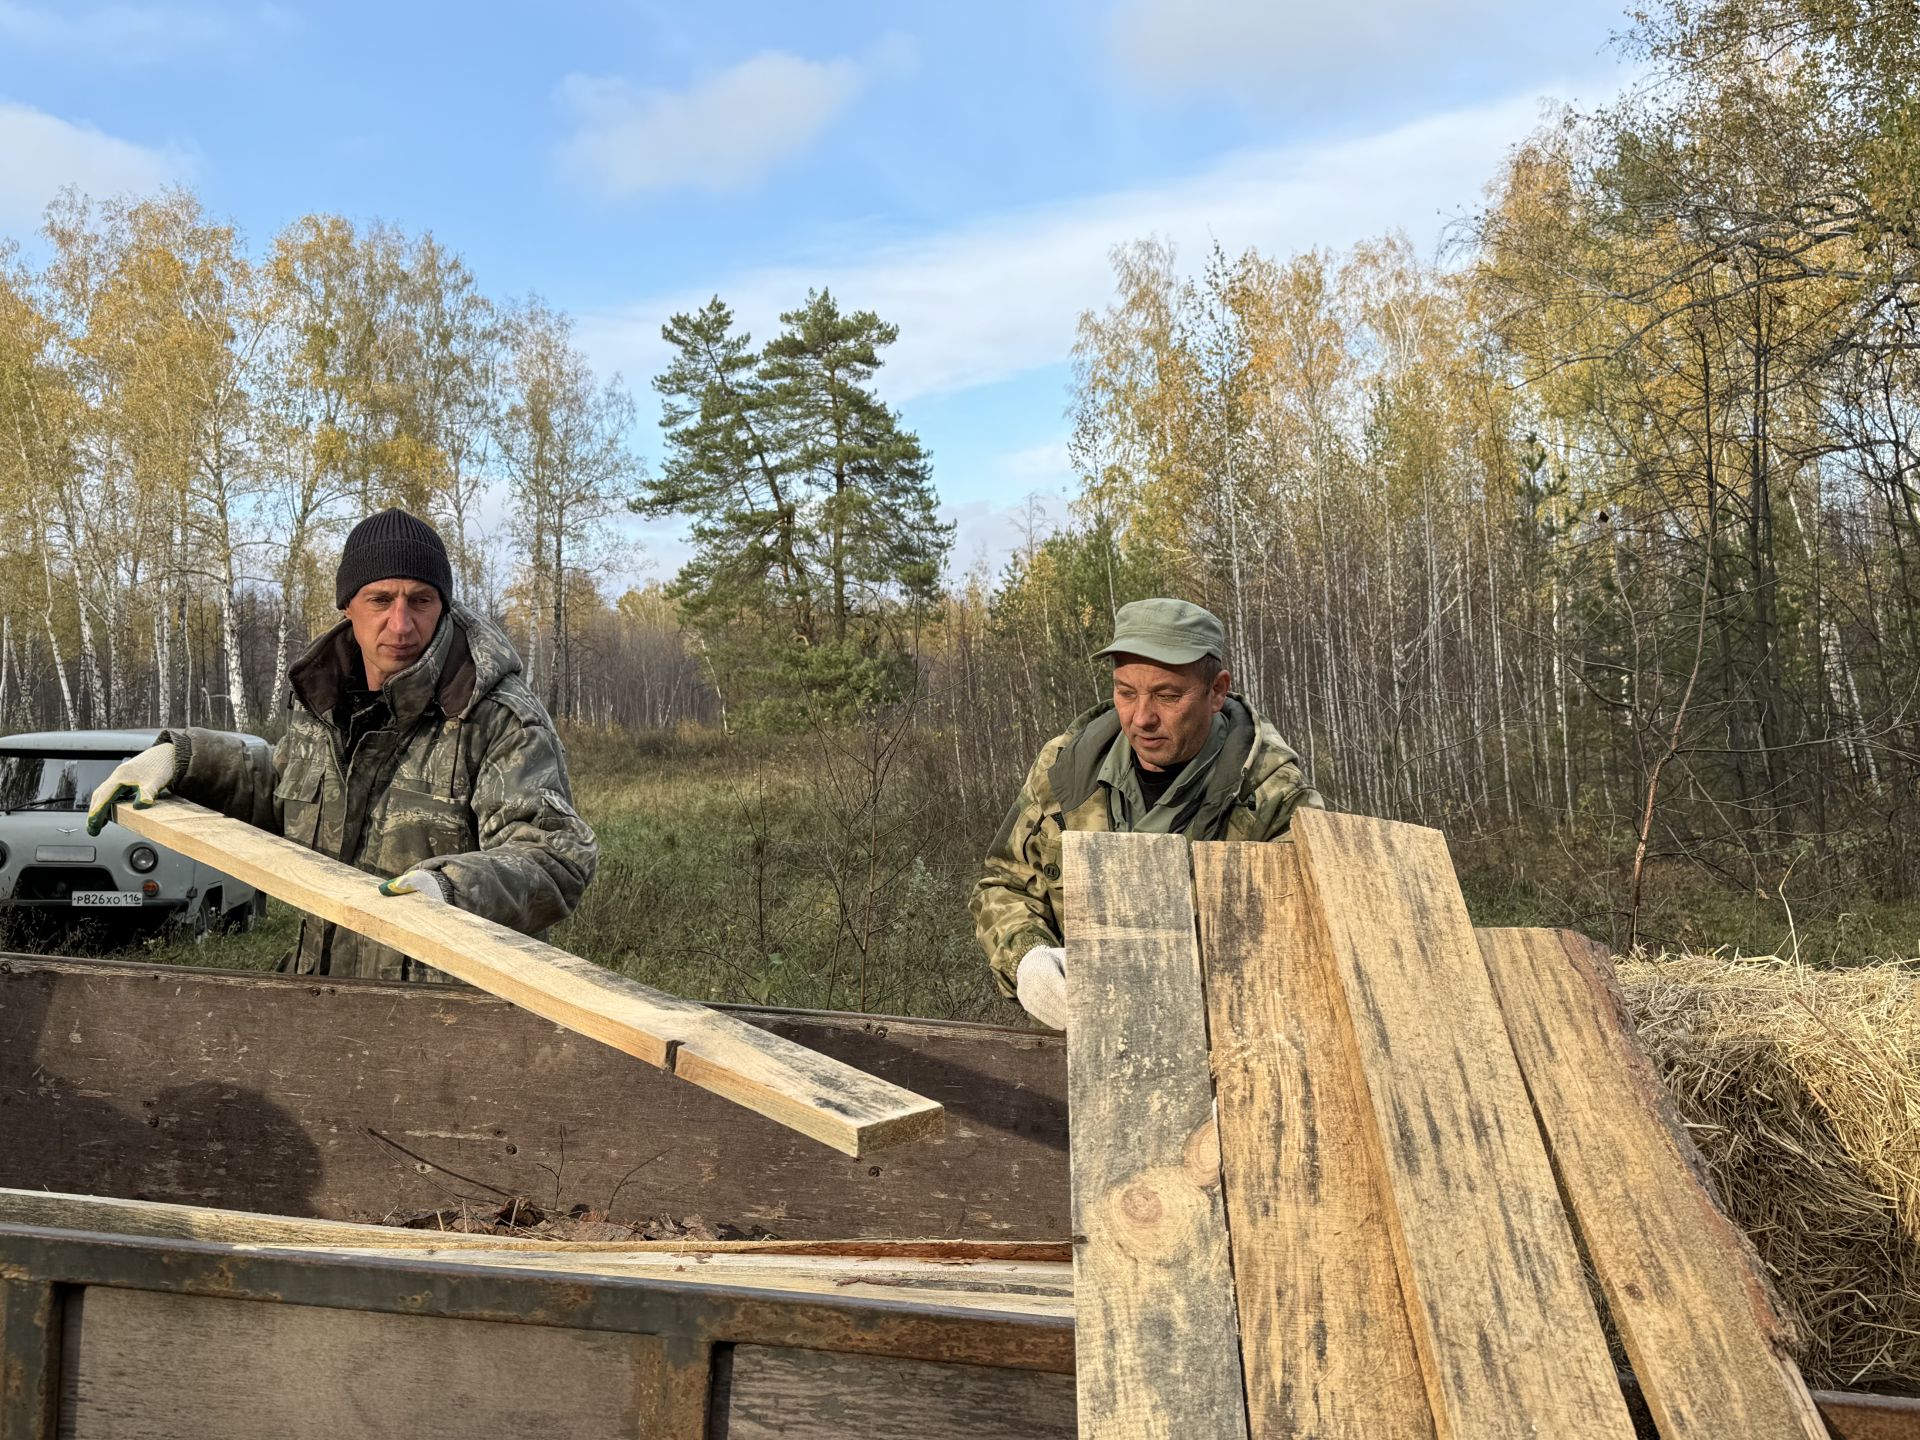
(206, 915)
(238, 920)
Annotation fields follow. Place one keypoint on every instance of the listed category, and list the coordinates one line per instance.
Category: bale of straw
(1801, 1088)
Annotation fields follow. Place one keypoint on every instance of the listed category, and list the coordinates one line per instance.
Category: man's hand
(1041, 982)
(428, 884)
(145, 777)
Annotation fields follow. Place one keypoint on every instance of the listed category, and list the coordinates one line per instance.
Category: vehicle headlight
(142, 858)
(3, 855)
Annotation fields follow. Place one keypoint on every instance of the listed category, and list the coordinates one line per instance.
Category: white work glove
(1041, 983)
(145, 777)
(429, 885)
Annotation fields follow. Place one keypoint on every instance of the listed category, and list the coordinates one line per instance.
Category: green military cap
(1174, 632)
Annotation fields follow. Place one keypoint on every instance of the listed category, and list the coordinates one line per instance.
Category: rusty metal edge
(640, 1305)
(31, 1313)
(1853, 1415)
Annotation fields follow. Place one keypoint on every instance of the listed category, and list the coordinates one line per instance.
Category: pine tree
(813, 509)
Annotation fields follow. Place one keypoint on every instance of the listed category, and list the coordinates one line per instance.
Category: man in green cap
(1174, 752)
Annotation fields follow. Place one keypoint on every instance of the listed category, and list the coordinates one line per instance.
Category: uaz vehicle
(48, 862)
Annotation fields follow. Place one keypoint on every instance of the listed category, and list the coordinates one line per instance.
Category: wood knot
(1140, 1205)
(1200, 1156)
(1157, 1215)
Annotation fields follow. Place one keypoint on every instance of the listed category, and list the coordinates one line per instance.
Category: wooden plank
(31, 1314)
(360, 1099)
(1683, 1286)
(1002, 1297)
(1502, 1320)
(775, 1393)
(238, 1227)
(1155, 1342)
(807, 1092)
(192, 1222)
(149, 1366)
(1324, 1336)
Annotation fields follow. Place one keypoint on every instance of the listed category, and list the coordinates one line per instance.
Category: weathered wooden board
(773, 1393)
(988, 1291)
(813, 1094)
(1324, 1336)
(1156, 1350)
(52, 1209)
(1502, 1319)
(358, 1099)
(141, 1365)
(1684, 1289)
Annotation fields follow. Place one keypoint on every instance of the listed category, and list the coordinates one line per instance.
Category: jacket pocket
(416, 824)
(296, 797)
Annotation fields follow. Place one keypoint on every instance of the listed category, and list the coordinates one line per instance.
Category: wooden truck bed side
(358, 1100)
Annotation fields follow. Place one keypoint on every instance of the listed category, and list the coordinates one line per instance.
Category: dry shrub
(1802, 1089)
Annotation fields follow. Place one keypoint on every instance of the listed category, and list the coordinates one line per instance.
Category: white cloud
(987, 533)
(1036, 466)
(1285, 53)
(45, 153)
(130, 33)
(1001, 296)
(725, 132)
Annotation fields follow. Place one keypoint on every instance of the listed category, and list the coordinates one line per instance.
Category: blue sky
(962, 169)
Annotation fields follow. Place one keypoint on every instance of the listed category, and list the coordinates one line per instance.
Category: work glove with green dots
(427, 884)
(143, 779)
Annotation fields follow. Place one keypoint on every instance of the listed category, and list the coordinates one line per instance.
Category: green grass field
(736, 871)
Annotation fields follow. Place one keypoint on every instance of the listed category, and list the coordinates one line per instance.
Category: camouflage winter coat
(1252, 793)
(466, 777)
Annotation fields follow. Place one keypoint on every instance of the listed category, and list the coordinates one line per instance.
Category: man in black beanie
(414, 750)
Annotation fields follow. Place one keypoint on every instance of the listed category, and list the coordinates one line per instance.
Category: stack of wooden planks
(1337, 1160)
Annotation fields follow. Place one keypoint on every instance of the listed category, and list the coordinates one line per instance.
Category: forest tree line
(1603, 525)
(1607, 529)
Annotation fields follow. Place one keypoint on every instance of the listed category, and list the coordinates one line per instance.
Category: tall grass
(832, 871)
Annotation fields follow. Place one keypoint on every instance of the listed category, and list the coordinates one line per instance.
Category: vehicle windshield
(51, 782)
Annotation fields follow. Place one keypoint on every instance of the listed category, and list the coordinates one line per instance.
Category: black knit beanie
(392, 545)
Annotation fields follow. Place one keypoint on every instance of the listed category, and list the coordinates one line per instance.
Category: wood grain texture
(1324, 1336)
(1009, 1288)
(359, 1099)
(238, 1227)
(142, 1365)
(774, 1393)
(805, 1091)
(1684, 1288)
(1505, 1328)
(1155, 1344)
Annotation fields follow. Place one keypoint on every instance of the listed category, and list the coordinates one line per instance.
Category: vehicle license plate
(106, 897)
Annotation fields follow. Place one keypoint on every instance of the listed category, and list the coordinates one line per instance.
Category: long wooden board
(1502, 1320)
(1684, 1290)
(1155, 1343)
(834, 1104)
(1324, 1335)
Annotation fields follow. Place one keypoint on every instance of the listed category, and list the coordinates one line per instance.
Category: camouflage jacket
(1255, 787)
(466, 777)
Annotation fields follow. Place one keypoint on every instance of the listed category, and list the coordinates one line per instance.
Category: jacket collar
(445, 674)
(1076, 770)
